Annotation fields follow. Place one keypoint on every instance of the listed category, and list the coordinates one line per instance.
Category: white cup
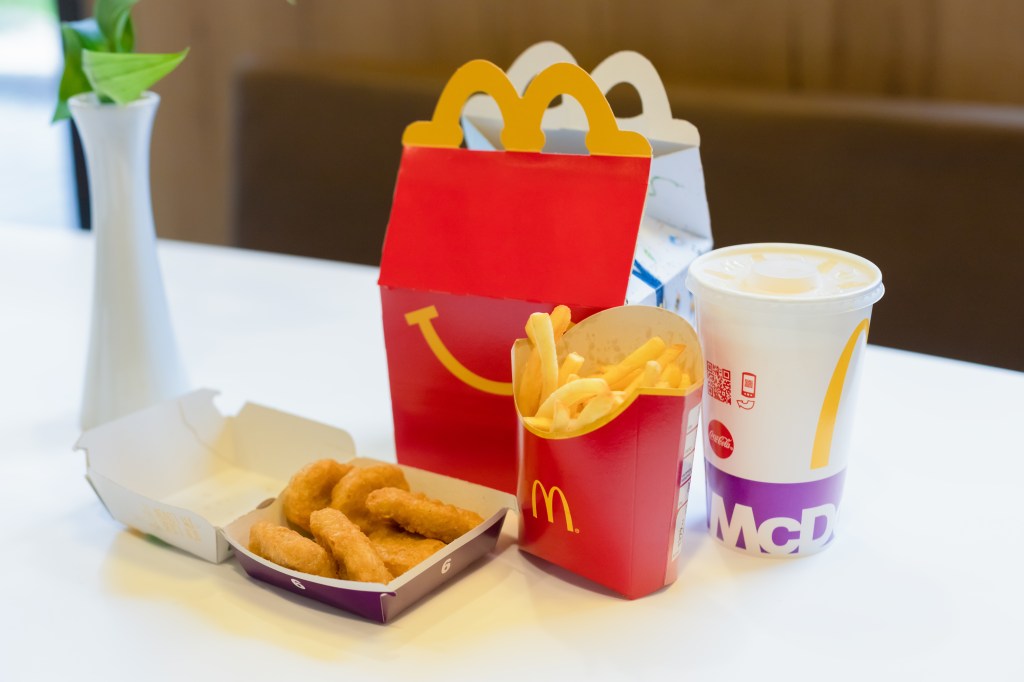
(783, 328)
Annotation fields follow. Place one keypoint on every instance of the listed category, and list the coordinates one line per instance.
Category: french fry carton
(196, 479)
(608, 502)
(478, 240)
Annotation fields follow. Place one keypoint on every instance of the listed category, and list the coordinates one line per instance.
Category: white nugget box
(183, 472)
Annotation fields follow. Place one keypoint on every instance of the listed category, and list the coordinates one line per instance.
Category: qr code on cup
(719, 383)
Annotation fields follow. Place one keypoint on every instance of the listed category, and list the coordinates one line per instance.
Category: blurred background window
(36, 163)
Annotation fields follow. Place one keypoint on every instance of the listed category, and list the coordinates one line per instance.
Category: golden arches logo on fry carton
(548, 494)
(567, 385)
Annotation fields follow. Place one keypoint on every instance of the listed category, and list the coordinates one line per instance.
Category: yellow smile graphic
(423, 317)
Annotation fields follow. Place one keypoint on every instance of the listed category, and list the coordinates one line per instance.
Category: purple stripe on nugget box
(782, 519)
(383, 605)
(366, 604)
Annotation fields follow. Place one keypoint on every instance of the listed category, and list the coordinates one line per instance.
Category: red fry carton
(608, 502)
(478, 240)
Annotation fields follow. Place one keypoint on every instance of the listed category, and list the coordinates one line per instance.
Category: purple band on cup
(778, 519)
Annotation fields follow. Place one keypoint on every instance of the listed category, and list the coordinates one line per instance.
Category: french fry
(543, 337)
(669, 355)
(645, 379)
(652, 370)
(625, 381)
(554, 398)
(671, 376)
(570, 367)
(596, 408)
(560, 319)
(528, 397)
(561, 419)
(650, 350)
(537, 423)
(572, 393)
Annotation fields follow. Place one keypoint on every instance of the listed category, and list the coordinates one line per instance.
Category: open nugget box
(197, 479)
(591, 213)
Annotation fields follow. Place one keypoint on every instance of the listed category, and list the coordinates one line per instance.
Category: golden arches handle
(423, 319)
(443, 130)
(822, 448)
(604, 137)
(523, 115)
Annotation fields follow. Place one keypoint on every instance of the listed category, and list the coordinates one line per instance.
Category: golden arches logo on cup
(548, 495)
(822, 448)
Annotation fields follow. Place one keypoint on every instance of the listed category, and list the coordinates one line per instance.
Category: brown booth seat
(932, 192)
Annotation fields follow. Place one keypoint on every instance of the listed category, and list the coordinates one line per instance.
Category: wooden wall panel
(980, 50)
(943, 49)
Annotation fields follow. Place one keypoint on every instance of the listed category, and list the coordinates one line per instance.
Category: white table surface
(925, 576)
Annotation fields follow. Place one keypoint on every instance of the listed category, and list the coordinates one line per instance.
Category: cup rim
(703, 289)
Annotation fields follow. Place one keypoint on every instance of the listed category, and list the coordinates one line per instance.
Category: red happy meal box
(608, 500)
(477, 241)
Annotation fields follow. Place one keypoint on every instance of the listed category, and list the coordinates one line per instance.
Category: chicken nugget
(349, 546)
(420, 514)
(310, 489)
(287, 548)
(401, 550)
(349, 495)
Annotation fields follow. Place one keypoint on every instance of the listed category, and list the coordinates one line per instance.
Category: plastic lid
(788, 275)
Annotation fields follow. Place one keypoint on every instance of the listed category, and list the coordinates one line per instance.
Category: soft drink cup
(783, 329)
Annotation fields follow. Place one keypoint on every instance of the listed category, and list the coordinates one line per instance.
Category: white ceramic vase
(133, 359)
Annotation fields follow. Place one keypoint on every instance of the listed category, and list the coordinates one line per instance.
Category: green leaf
(76, 36)
(123, 77)
(115, 21)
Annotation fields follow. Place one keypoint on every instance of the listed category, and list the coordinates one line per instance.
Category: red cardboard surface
(539, 227)
(487, 238)
(614, 495)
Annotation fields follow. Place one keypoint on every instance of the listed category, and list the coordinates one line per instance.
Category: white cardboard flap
(271, 442)
(128, 450)
(181, 470)
(655, 121)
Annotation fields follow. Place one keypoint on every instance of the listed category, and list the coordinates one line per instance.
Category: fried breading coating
(401, 550)
(349, 495)
(422, 515)
(310, 489)
(349, 546)
(287, 548)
